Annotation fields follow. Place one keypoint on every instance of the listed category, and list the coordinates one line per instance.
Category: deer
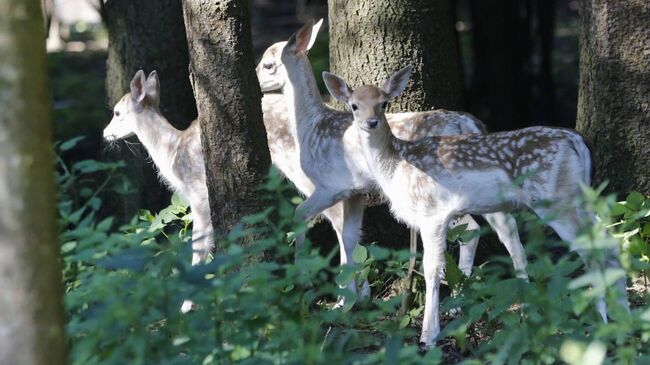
(178, 155)
(431, 180)
(330, 157)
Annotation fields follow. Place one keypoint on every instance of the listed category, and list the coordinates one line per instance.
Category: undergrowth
(125, 284)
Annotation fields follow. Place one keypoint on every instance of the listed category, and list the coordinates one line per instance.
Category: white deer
(177, 155)
(332, 170)
(432, 180)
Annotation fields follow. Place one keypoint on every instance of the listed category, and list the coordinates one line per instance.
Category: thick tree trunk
(148, 35)
(31, 315)
(614, 95)
(229, 104)
(369, 40)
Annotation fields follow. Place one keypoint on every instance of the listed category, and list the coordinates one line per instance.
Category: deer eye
(354, 106)
(116, 113)
(268, 66)
(384, 105)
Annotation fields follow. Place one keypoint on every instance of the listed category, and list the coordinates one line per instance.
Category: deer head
(270, 71)
(144, 97)
(368, 103)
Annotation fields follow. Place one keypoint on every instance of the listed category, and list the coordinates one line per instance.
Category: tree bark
(148, 35)
(31, 319)
(371, 39)
(229, 105)
(614, 94)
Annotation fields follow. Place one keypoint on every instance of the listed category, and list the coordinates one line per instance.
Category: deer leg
(202, 243)
(352, 221)
(315, 204)
(567, 229)
(433, 261)
(334, 214)
(505, 226)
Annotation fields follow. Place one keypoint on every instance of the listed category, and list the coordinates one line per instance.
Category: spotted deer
(431, 180)
(331, 159)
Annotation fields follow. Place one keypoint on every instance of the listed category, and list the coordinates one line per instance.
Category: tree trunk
(229, 104)
(369, 40)
(148, 35)
(614, 95)
(31, 319)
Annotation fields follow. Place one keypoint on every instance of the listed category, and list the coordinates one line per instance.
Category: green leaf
(95, 203)
(454, 233)
(177, 201)
(68, 246)
(360, 254)
(635, 200)
(404, 321)
(180, 340)
(69, 144)
(85, 192)
(618, 209)
(646, 229)
(363, 275)
(453, 275)
(378, 253)
(345, 277)
(105, 225)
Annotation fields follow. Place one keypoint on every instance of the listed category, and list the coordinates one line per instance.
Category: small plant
(631, 223)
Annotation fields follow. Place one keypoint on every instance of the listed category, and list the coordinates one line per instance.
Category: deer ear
(304, 38)
(137, 87)
(337, 87)
(152, 88)
(396, 84)
(314, 33)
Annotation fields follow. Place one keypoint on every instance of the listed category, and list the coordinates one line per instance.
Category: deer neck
(381, 151)
(159, 138)
(301, 91)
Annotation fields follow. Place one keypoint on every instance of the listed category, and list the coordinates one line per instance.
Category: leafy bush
(124, 286)
(553, 317)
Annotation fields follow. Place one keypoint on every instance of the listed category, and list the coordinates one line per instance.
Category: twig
(325, 339)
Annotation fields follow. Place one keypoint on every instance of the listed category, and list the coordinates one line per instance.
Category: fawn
(178, 155)
(330, 157)
(433, 179)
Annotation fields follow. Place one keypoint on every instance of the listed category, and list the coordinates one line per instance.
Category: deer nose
(372, 123)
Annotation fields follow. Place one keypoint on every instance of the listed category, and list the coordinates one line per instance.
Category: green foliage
(631, 222)
(124, 287)
(553, 317)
